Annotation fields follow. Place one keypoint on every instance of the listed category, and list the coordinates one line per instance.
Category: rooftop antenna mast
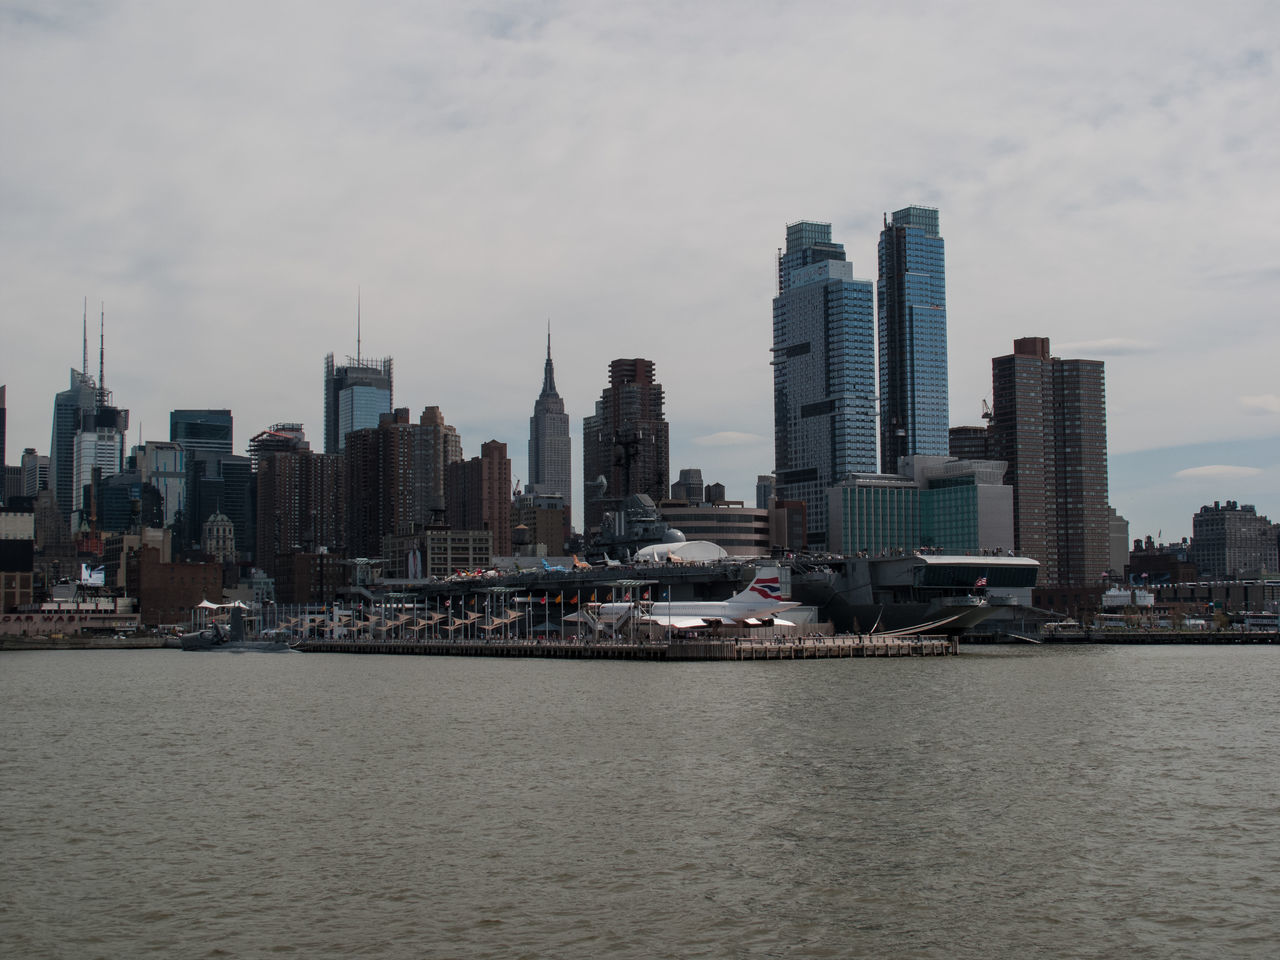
(84, 364)
(102, 354)
(357, 326)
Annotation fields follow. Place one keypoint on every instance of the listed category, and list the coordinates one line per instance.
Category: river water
(1012, 802)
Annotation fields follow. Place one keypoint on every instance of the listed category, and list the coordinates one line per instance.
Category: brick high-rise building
(278, 438)
(396, 477)
(1049, 423)
(479, 495)
(300, 506)
(626, 440)
(441, 446)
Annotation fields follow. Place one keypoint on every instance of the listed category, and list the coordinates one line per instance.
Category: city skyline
(1082, 163)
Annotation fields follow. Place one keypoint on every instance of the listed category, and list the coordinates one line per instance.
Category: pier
(816, 648)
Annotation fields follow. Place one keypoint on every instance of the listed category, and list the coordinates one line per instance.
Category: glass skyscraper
(914, 414)
(69, 406)
(355, 397)
(823, 372)
(202, 433)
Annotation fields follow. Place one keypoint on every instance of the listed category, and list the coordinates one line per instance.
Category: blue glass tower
(823, 372)
(914, 413)
(355, 397)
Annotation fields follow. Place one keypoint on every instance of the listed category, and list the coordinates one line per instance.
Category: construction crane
(986, 409)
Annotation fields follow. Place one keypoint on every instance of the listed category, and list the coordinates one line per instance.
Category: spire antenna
(102, 353)
(357, 326)
(84, 364)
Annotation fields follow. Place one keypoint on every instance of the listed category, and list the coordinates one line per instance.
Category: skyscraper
(550, 456)
(395, 477)
(68, 405)
(4, 462)
(1049, 422)
(163, 465)
(203, 433)
(219, 483)
(206, 440)
(480, 495)
(626, 440)
(823, 372)
(912, 314)
(35, 473)
(300, 505)
(355, 397)
(98, 446)
(278, 438)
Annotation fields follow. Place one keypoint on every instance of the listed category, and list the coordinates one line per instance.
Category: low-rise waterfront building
(1152, 564)
(545, 519)
(168, 592)
(937, 503)
(17, 557)
(436, 552)
(740, 531)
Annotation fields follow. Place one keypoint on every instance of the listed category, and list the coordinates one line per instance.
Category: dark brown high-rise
(300, 506)
(1049, 422)
(479, 495)
(626, 440)
(396, 477)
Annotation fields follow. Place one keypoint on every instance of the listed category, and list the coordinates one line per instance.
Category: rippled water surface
(1012, 802)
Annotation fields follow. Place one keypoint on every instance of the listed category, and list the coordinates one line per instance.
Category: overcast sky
(226, 176)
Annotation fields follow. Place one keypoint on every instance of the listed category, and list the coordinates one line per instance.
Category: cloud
(1217, 471)
(1107, 347)
(1262, 403)
(730, 438)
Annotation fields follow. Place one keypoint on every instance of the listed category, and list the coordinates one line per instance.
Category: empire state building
(550, 458)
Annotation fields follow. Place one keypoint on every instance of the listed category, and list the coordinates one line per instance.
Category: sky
(224, 181)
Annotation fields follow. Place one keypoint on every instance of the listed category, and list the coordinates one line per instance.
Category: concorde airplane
(757, 604)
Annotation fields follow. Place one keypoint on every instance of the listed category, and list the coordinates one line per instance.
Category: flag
(593, 596)
(981, 582)
(543, 601)
(646, 595)
(560, 598)
(575, 599)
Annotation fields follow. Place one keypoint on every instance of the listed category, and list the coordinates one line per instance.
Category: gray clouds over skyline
(226, 176)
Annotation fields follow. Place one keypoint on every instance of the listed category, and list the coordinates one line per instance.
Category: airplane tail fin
(765, 587)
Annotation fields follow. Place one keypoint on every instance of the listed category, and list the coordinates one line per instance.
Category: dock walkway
(684, 650)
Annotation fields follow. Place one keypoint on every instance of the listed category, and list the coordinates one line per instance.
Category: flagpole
(668, 613)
